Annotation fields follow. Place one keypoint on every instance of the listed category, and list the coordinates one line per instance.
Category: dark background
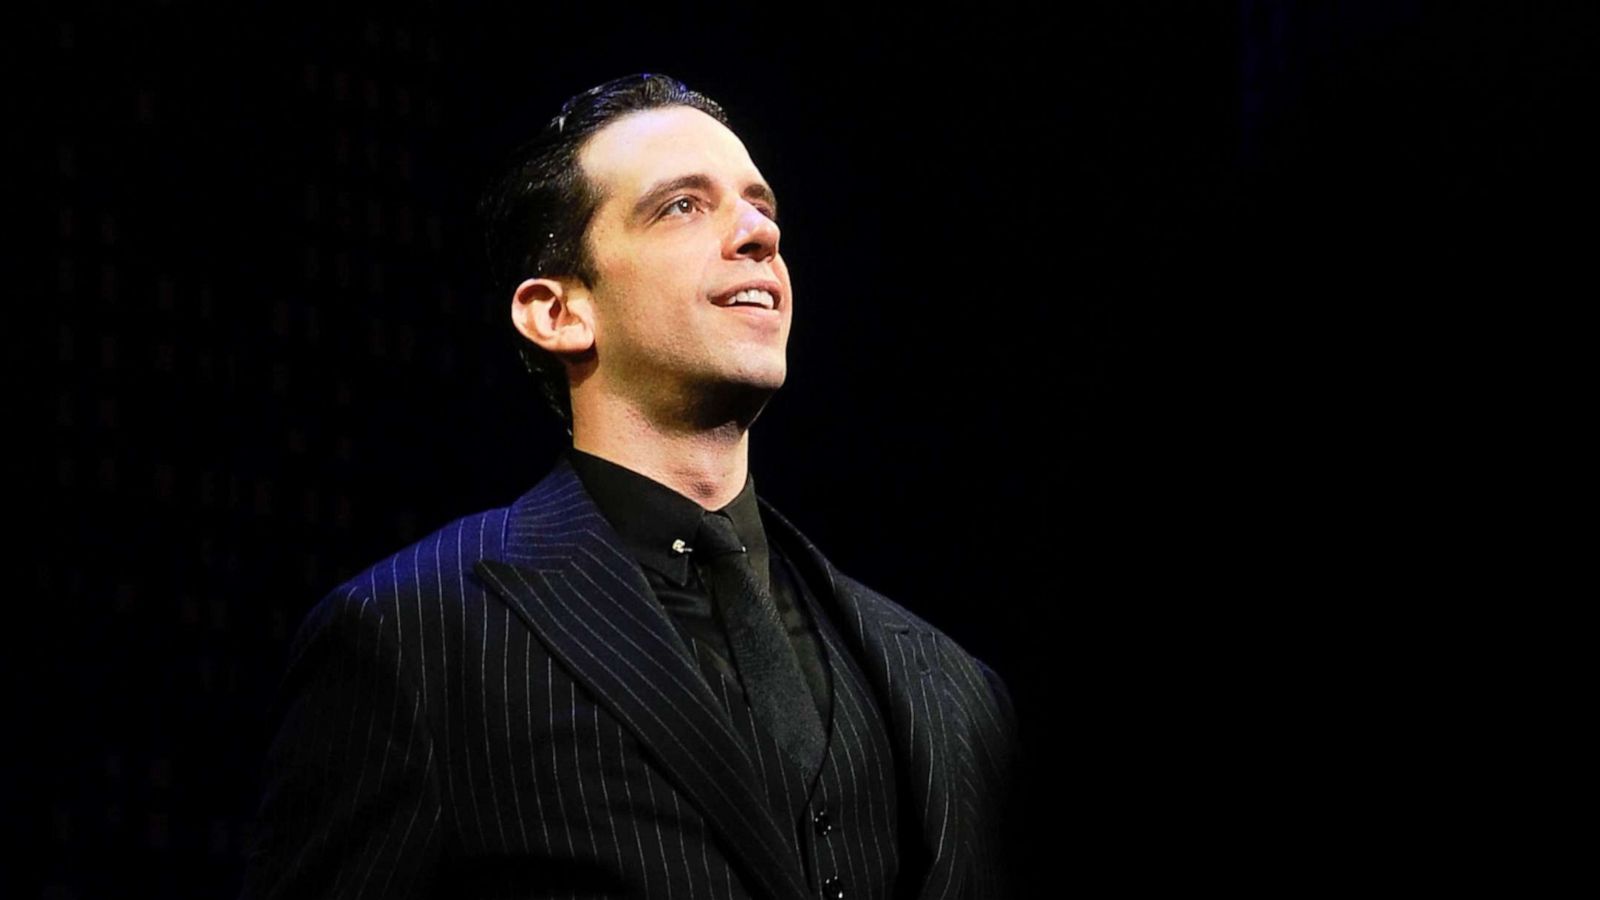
(1134, 347)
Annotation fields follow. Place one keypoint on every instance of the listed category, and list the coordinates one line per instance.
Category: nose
(754, 235)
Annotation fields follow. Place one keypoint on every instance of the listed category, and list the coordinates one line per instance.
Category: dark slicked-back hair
(537, 215)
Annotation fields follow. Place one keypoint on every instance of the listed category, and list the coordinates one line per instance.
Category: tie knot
(716, 536)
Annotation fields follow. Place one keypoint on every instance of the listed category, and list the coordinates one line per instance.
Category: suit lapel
(567, 576)
(902, 661)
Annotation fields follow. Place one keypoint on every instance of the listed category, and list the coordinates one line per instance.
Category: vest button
(832, 888)
(819, 819)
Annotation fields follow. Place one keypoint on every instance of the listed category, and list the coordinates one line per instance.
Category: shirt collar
(650, 517)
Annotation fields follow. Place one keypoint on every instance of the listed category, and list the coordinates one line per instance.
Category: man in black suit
(639, 679)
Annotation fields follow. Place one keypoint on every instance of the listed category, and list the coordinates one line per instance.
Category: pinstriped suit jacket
(503, 710)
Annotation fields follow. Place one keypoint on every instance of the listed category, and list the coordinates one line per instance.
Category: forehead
(636, 151)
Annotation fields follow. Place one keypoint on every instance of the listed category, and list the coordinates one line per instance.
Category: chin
(739, 399)
(758, 373)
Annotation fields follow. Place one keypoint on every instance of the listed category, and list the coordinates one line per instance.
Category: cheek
(620, 275)
(661, 272)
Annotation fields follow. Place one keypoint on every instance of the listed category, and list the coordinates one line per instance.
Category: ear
(554, 313)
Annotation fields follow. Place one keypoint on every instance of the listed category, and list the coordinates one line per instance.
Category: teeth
(752, 297)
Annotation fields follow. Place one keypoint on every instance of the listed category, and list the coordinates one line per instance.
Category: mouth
(754, 295)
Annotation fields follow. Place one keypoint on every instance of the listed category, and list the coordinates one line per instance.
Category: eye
(680, 206)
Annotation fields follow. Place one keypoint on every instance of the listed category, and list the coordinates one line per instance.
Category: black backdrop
(1114, 356)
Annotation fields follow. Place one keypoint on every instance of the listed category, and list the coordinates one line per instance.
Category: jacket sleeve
(1004, 837)
(351, 802)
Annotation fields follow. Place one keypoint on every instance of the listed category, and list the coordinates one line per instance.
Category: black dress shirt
(654, 520)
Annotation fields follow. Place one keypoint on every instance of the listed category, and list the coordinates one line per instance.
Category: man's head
(621, 232)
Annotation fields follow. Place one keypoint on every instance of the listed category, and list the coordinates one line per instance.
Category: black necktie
(779, 697)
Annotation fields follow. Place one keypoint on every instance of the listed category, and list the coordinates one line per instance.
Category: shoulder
(978, 679)
(437, 568)
(431, 563)
(976, 685)
(875, 611)
(878, 613)
(893, 616)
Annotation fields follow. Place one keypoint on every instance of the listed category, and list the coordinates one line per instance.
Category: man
(639, 679)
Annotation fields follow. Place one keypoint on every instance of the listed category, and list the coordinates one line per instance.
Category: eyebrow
(700, 182)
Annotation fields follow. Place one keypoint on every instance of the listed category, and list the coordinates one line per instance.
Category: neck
(707, 465)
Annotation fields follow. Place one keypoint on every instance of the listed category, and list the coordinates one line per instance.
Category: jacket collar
(567, 575)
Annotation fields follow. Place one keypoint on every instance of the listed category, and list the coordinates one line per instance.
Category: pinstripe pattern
(502, 710)
(857, 786)
(854, 785)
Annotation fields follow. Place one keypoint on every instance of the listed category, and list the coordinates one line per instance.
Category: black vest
(843, 819)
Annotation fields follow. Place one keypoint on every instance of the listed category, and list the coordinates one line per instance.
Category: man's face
(692, 300)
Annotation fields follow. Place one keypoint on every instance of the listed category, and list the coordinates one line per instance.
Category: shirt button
(832, 888)
(819, 819)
